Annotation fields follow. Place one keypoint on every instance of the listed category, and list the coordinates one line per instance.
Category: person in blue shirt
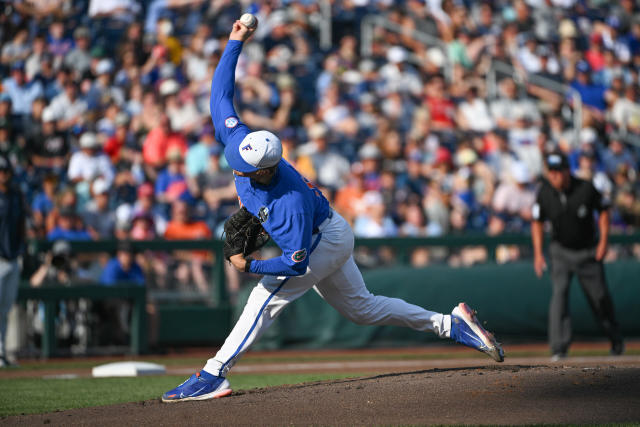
(122, 268)
(21, 91)
(316, 243)
(67, 228)
(592, 94)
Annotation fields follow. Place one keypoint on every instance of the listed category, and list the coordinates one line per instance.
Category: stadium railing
(521, 78)
(52, 295)
(372, 22)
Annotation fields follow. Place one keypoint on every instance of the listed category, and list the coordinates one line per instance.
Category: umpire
(12, 217)
(576, 248)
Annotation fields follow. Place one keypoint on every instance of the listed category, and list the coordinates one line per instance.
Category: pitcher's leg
(346, 291)
(266, 302)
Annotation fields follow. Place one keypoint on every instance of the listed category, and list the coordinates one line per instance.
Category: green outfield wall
(509, 298)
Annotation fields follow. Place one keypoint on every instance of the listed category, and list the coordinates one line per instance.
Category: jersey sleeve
(225, 119)
(599, 202)
(537, 209)
(293, 235)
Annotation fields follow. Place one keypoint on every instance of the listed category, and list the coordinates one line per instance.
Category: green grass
(37, 395)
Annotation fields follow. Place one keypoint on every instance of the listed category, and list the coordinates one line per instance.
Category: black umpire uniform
(569, 204)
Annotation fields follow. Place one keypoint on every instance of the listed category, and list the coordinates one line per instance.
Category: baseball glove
(243, 234)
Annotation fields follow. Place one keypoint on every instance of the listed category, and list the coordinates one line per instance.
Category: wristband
(247, 265)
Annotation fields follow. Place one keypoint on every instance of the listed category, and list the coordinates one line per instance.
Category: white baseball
(249, 20)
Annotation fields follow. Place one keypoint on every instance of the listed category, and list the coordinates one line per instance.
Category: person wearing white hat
(90, 162)
(316, 242)
(98, 217)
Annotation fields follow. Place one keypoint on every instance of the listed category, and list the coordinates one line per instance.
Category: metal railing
(325, 26)
(371, 22)
(521, 78)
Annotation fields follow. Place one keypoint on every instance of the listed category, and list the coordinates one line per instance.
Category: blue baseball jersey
(290, 207)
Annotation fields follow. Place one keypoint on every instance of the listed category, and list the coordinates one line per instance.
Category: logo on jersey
(231, 122)
(263, 213)
(299, 256)
(582, 211)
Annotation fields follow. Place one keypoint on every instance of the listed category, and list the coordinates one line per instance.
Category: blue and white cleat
(465, 329)
(200, 386)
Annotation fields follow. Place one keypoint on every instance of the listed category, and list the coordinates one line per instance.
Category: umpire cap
(557, 161)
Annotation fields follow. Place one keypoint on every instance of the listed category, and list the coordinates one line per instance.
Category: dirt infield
(584, 392)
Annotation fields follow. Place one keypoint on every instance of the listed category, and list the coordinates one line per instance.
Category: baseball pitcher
(316, 243)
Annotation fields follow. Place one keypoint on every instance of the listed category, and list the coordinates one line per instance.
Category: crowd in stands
(104, 111)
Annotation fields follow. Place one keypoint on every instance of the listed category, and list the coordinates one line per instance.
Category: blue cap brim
(235, 160)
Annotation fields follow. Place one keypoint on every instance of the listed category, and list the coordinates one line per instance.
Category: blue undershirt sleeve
(293, 235)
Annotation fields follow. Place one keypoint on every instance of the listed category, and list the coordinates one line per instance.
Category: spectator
(197, 160)
(67, 108)
(21, 91)
(17, 49)
(116, 146)
(62, 268)
(617, 155)
(591, 93)
(512, 202)
(508, 108)
(190, 264)
(373, 221)
(171, 183)
(159, 141)
(89, 163)
(145, 207)
(122, 269)
(68, 227)
(42, 204)
(626, 111)
(320, 163)
(420, 110)
(79, 59)
(49, 147)
(474, 113)
(217, 187)
(98, 217)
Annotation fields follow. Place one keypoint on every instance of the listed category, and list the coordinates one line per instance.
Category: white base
(127, 369)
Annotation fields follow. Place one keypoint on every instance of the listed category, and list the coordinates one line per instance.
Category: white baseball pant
(333, 274)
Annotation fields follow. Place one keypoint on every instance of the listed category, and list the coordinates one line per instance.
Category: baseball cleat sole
(492, 347)
(209, 396)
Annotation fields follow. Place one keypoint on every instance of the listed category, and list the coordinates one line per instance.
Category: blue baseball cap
(258, 150)
(583, 66)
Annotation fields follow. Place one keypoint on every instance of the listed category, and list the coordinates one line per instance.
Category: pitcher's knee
(361, 314)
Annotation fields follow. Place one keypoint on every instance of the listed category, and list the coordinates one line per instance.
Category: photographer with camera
(60, 268)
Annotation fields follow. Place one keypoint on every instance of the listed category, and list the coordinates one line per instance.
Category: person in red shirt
(595, 54)
(159, 141)
(190, 263)
(441, 108)
(113, 145)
